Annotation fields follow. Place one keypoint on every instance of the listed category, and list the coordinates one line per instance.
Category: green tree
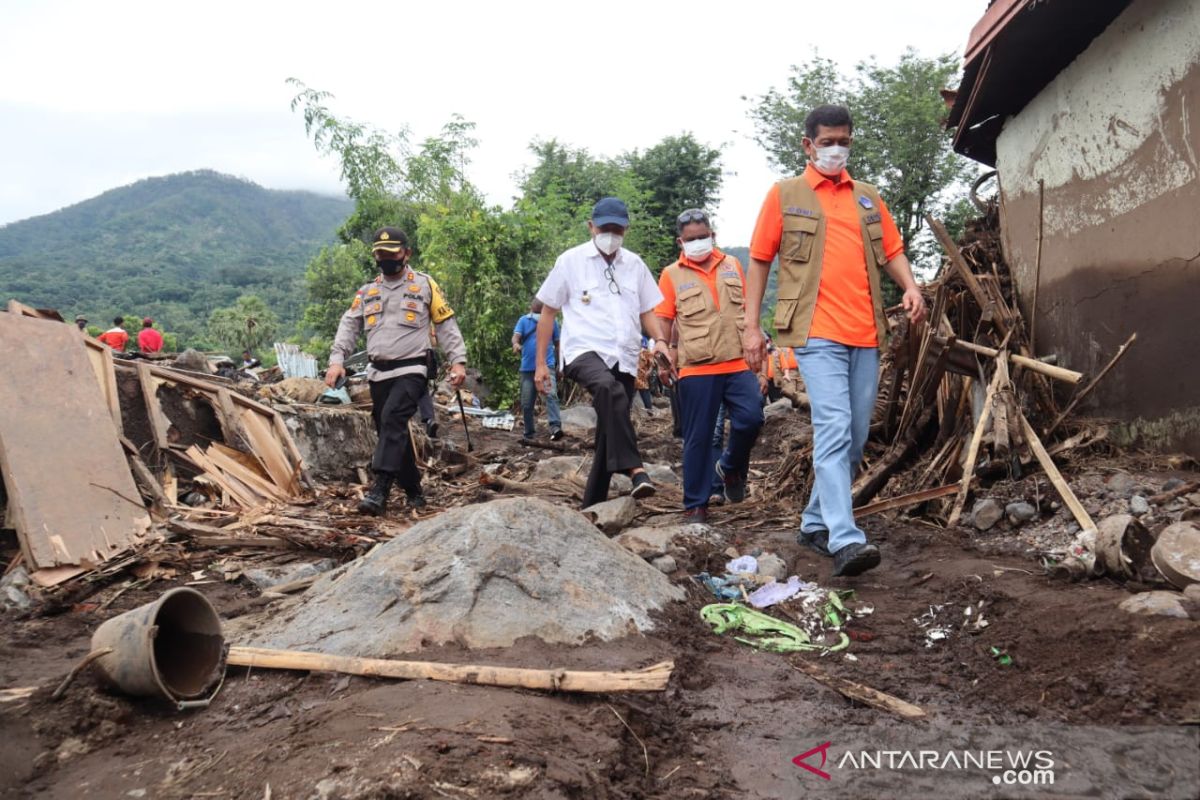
(246, 325)
(899, 141)
(331, 278)
(677, 173)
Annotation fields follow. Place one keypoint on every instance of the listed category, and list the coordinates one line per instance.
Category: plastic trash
(768, 633)
(772, 593)
(743, 564)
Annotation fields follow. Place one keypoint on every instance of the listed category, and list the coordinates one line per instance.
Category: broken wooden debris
(66, 476)
(650, 679)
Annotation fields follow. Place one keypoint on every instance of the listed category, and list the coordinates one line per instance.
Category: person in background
(115, 337)
(834, 236)
(607, 297)
(395, 310)
(524, 343)
(249, 361)
(81, 323)
(645, 366)
(148, 339)
(703, 304)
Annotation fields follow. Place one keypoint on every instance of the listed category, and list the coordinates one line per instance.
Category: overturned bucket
(171, 647)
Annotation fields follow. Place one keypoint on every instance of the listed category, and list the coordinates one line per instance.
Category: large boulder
(333, 441)
(579, 418)
(480, 576)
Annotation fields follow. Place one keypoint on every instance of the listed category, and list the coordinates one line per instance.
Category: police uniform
(396, 314)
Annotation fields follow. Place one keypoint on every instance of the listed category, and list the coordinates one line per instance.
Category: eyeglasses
(612, 280)
(690, 216)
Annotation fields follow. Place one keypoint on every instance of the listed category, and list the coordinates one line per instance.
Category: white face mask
(831, 160)
(609, 243)
(698, 249)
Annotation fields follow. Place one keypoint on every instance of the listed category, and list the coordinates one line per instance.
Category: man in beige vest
(702, 303)
(833, 236)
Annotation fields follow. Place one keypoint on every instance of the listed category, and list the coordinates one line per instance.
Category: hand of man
(667, 374)
(332, 374)
(914, 305)
(754, 347)
(762, 383)
(541, 378)
(517, 348)
(458, 374)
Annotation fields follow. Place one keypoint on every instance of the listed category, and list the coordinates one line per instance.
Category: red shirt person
(149, 340)
(115, 337)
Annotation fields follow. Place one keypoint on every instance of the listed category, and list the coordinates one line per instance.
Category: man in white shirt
(607, 297)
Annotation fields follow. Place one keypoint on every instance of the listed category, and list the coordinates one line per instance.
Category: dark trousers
(425, 404)
(700, 398)
(616, 443)
(393, 402)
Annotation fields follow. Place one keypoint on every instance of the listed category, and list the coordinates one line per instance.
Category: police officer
(396, 310)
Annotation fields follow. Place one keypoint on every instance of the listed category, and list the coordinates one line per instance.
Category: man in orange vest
(833, 235)
(115, 337)
(702, 302)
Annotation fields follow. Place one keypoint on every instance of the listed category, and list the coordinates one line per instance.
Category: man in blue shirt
(524, 341)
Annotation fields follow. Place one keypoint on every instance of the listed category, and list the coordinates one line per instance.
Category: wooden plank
(232, 466)
(106, 375)
(650, 679)
(905, 500)
(144, 476)
(160, 426)
(227, 415)
(1000, 438)
(237, 491)
(268, 450)
(62, 464)
(1060, 484)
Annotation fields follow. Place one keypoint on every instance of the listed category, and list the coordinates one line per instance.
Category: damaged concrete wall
(1112, 136)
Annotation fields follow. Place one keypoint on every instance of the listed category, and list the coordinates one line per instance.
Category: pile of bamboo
(964, 395)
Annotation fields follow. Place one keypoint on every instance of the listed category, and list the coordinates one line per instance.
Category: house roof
(1014, 51)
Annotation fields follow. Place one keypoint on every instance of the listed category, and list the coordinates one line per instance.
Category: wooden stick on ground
(904, 500)
(650, 679)
(1032, 364)
(1085, 391)
(1064, 490)
(861, 693)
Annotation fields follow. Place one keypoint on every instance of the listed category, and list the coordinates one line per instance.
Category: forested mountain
(174, 248)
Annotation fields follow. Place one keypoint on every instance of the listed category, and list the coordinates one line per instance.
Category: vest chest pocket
(785, 310)
(691, 301)
(875, 234)
(413, 314)
(733, 288)
(799, 234)
(372, 314)
(695, 347)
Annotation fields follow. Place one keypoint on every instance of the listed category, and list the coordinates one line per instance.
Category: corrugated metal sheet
(293, 362)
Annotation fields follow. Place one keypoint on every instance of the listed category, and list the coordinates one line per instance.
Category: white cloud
(100, 94)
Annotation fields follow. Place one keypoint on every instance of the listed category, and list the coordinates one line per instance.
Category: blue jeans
(529, 395)
(700, 397)
(842, 382)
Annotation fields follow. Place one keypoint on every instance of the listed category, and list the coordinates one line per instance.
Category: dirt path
(728, 726)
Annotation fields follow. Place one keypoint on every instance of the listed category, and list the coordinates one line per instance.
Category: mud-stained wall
(1115, 138)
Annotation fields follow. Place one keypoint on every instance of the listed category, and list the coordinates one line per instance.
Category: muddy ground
(728, 726)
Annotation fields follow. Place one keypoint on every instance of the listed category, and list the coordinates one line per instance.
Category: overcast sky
(95, 95)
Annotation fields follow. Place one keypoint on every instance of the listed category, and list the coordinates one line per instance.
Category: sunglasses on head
(690, 216)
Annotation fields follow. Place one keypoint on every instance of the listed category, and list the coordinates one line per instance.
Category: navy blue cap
(610, 211)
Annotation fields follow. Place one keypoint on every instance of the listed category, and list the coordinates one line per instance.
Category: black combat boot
(375, 502)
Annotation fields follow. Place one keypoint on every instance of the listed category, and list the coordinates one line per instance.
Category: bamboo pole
(1060, 484)
(1032, 364)
(650, 679)
(1037, 266)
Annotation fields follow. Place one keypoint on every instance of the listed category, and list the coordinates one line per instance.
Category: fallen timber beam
(905, 500)
(1031, 364)
(650, 679)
